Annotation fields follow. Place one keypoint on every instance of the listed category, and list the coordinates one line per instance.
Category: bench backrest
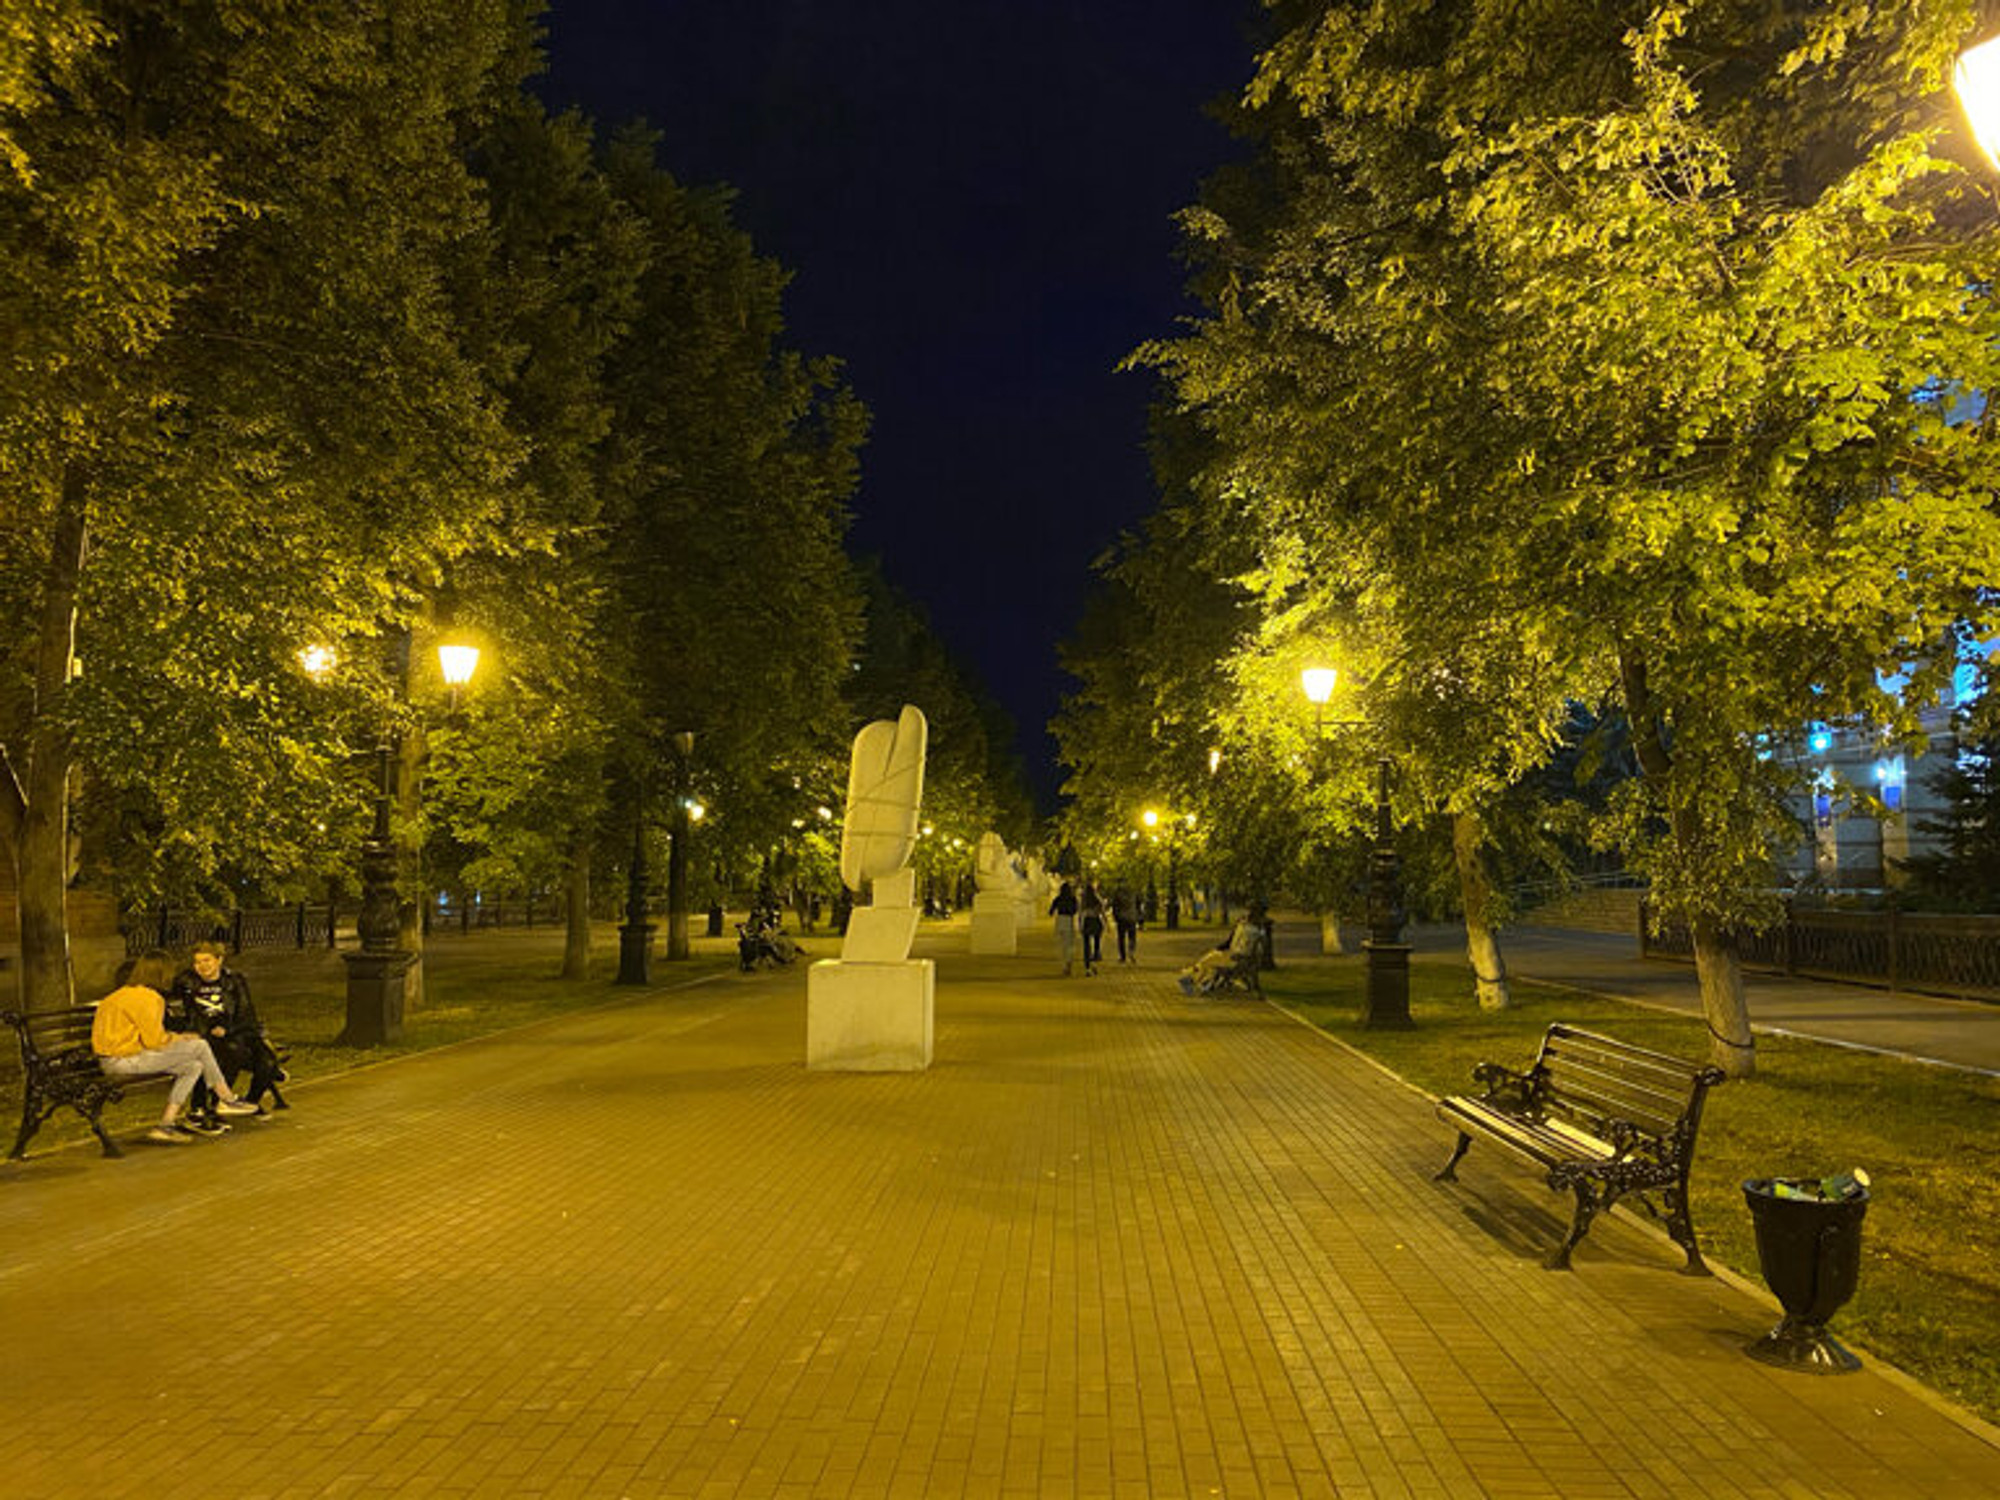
(1594, 1080)
(49, 1034)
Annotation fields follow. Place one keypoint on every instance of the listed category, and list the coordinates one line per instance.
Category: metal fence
(1943, 955)
(316, 924)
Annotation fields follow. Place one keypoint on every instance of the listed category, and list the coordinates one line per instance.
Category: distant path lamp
(457, 663)
(1387, 1006)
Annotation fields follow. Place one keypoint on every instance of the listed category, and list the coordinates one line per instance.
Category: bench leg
(1449, 1172)
(96, 1118)
(1680, 1228)
(32, 1116)
(1587, 1207)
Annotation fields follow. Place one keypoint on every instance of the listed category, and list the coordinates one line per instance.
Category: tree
(214, 217)
(1643, 331)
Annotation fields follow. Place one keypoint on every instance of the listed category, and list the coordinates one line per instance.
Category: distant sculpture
(994, 869)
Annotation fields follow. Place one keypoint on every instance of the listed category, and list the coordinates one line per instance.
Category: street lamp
(378, 975)
(1151, 818)
(1387, 1006)
(1976, 80)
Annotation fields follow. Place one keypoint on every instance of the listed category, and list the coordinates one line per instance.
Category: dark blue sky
(975, 200)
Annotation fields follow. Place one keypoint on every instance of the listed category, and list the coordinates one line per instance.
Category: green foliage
(1964, 874)
(1622, 351)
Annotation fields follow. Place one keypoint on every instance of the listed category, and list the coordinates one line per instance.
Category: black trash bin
(1810, 1251)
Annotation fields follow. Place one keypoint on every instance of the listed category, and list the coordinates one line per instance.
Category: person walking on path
(129, 1036)
(1125, 916)
(1064, 910)
(1090, 908)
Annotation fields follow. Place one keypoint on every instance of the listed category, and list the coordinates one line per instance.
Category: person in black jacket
(213, 1001)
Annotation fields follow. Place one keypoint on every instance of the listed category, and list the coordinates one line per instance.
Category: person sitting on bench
(130, 1037)
(212, 1000)
(1212, 969)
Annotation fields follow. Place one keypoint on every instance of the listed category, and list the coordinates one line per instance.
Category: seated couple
(130, 1038)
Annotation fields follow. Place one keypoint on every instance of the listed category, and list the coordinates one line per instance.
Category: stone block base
(996, 931)
(870, 1018)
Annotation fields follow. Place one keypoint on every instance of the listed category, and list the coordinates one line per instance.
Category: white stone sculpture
(996, 909)
(871, 1009)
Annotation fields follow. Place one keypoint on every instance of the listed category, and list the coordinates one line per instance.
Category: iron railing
(1943, 955)
(315, 923)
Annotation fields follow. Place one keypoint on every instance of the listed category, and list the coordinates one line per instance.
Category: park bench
(58, 1068)
(1604, 1118)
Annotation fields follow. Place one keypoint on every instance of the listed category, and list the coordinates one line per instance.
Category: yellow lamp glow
(696, 812)
(1318, 683)
(458, 663)
(1976, 80)
(316, 661)
(1150, 818)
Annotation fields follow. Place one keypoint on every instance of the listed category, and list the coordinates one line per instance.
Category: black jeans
(1128, 941)
(233, 1054)
(1093, 941)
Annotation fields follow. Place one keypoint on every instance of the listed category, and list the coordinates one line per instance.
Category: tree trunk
(576, 897)
(38, 797)
(409, 761)
(1329, 932)
(1475, 888)
(1732, 1046)
(1724, 1006)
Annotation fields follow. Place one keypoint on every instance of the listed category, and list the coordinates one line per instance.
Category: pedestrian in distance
(129, 1036)
(1064, 910)
(1090, 918)
(1125, 916)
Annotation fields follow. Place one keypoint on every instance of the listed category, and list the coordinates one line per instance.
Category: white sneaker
(170, 1135)
(234, 1107)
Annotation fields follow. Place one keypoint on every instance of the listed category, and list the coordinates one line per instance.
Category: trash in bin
(1809, 1245)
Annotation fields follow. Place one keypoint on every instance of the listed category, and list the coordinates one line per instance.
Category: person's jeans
(1093, 942)
(1066, 939)
(188, 1058)
(1128, 941)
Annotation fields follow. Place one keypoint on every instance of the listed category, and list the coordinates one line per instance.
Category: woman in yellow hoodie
(130, 1037)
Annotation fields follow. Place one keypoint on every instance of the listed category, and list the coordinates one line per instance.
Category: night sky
(975, 199)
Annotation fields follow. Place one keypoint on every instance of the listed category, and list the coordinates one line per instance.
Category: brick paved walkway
(1114, 1243)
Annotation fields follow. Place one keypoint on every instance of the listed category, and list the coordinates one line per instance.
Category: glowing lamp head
(1820, 740)
(1150, 818)
(458, 663)
(316, 661)
(1318, 683)
(1214, 761)
(1976, 80)
(696, 812)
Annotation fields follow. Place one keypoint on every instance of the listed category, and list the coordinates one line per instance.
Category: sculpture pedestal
(870, 1018)
(995, 926)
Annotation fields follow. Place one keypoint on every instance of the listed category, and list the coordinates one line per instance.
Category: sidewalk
(1114, 1242)
(1954, 1033)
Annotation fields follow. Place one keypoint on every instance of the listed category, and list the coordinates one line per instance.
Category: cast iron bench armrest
(1602, 1118)
(59, 1068)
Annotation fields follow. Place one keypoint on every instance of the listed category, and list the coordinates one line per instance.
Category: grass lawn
(1929, 1298)
(491, 982)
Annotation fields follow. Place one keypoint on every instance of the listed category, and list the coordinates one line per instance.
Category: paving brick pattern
(1114, 1243)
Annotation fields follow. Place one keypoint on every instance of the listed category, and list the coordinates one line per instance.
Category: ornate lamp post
(1387, 1006)
(677, 853)
(378, 974)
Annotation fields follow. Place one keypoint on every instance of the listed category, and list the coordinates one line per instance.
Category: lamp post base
(635, 953)
(377, 985)
(1388, 999)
